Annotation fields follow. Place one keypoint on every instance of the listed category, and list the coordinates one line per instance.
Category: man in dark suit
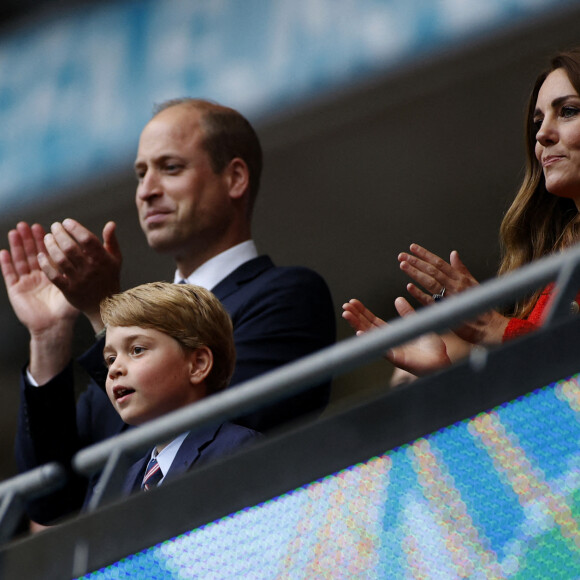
(198, 168)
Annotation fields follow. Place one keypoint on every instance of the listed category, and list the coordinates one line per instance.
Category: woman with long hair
(543, 219)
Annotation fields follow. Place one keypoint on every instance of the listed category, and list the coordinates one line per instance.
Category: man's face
(183, 206)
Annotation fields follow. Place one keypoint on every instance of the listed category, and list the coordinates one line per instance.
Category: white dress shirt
(167, 455)
(212, 272)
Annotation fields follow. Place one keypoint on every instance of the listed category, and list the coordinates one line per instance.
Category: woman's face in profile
(557, 120)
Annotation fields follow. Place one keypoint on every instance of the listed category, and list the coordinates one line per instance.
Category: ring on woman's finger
(437, 297)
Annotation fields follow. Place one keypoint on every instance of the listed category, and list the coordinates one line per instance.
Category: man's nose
(149, 185)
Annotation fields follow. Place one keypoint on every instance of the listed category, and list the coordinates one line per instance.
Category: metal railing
(113, 455)
(14, 493)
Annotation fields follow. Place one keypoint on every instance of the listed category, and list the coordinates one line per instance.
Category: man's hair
(191, 315)
(227, 135)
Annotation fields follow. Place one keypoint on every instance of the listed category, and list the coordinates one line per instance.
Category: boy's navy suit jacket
(198, 448)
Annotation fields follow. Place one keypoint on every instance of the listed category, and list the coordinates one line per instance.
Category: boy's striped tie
(152, 476)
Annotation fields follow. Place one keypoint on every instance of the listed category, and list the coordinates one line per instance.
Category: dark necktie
(152, 476)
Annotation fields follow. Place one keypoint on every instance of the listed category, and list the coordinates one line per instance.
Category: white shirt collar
(212, 272)
(166, 456)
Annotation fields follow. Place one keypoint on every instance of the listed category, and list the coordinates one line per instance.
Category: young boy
(167, 346)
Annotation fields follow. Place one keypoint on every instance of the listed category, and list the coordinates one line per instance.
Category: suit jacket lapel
(135, 475)
(242, 275)
(188, 453)
(191, 450)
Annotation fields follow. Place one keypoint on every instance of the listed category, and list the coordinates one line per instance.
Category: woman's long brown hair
(538, 223)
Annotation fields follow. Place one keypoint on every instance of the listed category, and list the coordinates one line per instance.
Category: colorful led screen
(495, 496)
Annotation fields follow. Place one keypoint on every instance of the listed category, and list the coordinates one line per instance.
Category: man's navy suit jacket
(279, 314)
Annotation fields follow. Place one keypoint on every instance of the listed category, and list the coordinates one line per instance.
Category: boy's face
(150, 374)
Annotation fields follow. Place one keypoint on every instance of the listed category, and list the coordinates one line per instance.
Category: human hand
(360, 318)
(83, 268)
(433, 274)
(440, 277)
(39, 305)
(418, 357)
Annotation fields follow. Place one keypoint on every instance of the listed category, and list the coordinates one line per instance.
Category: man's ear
(201, 363)
(238, 176)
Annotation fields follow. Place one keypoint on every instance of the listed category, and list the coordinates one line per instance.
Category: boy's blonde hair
(190, 314)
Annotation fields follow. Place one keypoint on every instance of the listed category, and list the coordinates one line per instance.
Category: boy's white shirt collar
(212, 272)
(167, 455)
